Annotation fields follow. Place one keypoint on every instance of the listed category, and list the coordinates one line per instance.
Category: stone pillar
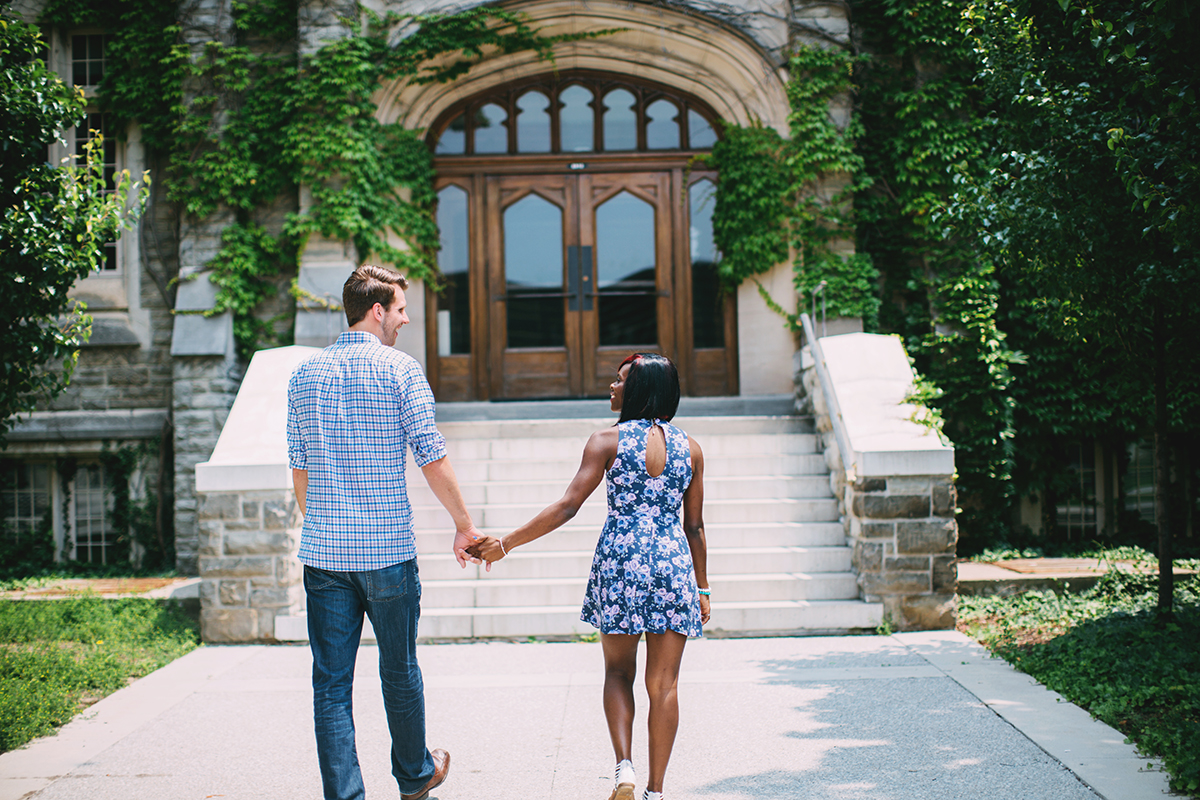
(205, 375)
(204, 388)
(248, 569)
(766, 344)
(895, 490)
(904, 536)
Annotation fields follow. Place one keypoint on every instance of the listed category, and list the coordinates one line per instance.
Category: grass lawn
(60, 656)
(1105, 650)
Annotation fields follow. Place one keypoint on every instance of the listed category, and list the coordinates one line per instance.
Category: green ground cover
(59, 656)
(1105, 650)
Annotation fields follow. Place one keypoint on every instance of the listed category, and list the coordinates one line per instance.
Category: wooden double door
(570, 273)
(581, 273)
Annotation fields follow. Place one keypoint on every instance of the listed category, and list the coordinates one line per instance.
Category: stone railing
(893, 477)
(249, 521)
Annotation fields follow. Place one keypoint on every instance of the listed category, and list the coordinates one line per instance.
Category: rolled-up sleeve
(417, 417)
(297, 451)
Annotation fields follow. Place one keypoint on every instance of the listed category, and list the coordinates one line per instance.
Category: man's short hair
(367, 286)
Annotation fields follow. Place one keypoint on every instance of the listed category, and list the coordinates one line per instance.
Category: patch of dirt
(102, 586)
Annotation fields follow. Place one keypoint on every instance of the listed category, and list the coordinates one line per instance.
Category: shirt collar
(357, 337)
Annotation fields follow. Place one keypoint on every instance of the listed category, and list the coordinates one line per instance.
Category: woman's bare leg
(620, 670)
(664, 652)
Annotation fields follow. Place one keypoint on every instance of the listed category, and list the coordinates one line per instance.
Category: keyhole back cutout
(656, 451)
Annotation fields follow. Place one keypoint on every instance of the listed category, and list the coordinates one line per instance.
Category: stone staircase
(777, 555)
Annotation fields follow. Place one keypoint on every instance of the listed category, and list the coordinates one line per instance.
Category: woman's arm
(598, 455)
(693, 525)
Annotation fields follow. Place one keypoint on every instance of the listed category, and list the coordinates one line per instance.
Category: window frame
(63, 505)
(107, 283)
(505, 96)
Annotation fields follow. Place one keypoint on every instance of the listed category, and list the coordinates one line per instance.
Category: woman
(649, 574)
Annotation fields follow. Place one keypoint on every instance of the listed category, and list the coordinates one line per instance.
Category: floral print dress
(642, 576)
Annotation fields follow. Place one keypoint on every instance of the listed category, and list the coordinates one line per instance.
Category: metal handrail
(849, 463)
(820, 287)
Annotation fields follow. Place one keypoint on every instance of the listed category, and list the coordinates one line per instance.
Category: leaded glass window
(574, 113)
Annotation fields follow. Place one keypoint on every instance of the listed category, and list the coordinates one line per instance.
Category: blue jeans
(391, 598)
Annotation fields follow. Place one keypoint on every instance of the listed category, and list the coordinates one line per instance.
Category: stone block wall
(248, 568)
(904, 535)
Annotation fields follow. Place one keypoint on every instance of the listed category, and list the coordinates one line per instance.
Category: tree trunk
(1162, 474)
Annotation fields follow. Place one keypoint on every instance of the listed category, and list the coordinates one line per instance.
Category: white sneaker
(623, 782)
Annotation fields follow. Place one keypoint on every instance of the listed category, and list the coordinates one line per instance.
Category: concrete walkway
(919, 716)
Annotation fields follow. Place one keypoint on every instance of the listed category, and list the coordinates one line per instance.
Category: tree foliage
(54, 223)
(1089, 202)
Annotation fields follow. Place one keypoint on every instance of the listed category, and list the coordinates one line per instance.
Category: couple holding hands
(353, 410)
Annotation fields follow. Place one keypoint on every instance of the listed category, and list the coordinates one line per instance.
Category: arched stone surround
(696, 55)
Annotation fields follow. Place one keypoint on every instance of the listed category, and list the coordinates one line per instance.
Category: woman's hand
(489, 549)
(705, 608)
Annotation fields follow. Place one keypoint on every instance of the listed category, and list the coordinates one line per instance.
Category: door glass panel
(576, 120)
(620, 121)
(454, 139)
(533, 123)
(662, 126)
(625, 272)
(700, 132)
(533, 265)
(491, 134)
(708, 307)
(454, 306)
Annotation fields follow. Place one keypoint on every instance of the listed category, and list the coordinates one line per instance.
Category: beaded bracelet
(704, 592)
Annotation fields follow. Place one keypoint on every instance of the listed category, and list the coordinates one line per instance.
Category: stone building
(551, 179)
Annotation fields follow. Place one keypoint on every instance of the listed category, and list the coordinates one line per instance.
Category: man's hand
(464, 541)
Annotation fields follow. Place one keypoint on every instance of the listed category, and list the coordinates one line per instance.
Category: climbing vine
(790, 196)
(245, 124)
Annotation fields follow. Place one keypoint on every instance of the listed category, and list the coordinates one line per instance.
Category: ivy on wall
(779, 198)
(244, 124)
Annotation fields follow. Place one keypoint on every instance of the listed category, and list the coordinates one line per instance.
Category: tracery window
(87, 71)
(575, 113)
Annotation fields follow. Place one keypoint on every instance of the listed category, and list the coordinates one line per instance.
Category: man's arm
(444, 483)
(300, 484)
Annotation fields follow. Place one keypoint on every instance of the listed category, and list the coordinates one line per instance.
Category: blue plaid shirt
(352, 410)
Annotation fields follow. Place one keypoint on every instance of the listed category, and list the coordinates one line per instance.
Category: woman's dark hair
(651, 388)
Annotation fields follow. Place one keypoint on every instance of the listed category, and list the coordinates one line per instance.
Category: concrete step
(562, 466)
(593, 512)
(732, 618)
(527, 490)
(558, 448)
(584, 427)
(526, 563)
(516, 592)
(728, 534)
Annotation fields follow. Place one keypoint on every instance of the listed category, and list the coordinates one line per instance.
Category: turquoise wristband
(704, 592)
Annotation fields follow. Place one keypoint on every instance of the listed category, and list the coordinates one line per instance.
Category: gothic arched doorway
(575, 229)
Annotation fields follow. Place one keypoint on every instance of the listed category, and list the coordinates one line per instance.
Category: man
(353, 410)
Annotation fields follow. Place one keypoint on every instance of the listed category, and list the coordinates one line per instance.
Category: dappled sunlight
(878, 739)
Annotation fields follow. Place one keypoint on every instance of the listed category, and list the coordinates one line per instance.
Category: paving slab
(907, 717)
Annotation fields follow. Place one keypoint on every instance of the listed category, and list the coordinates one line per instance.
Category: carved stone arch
(688, 52)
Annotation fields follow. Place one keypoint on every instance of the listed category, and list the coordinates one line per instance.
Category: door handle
(646, 293)
(504, 298)
(579, 278)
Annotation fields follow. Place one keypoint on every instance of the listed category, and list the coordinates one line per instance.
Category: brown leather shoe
(441, 766)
